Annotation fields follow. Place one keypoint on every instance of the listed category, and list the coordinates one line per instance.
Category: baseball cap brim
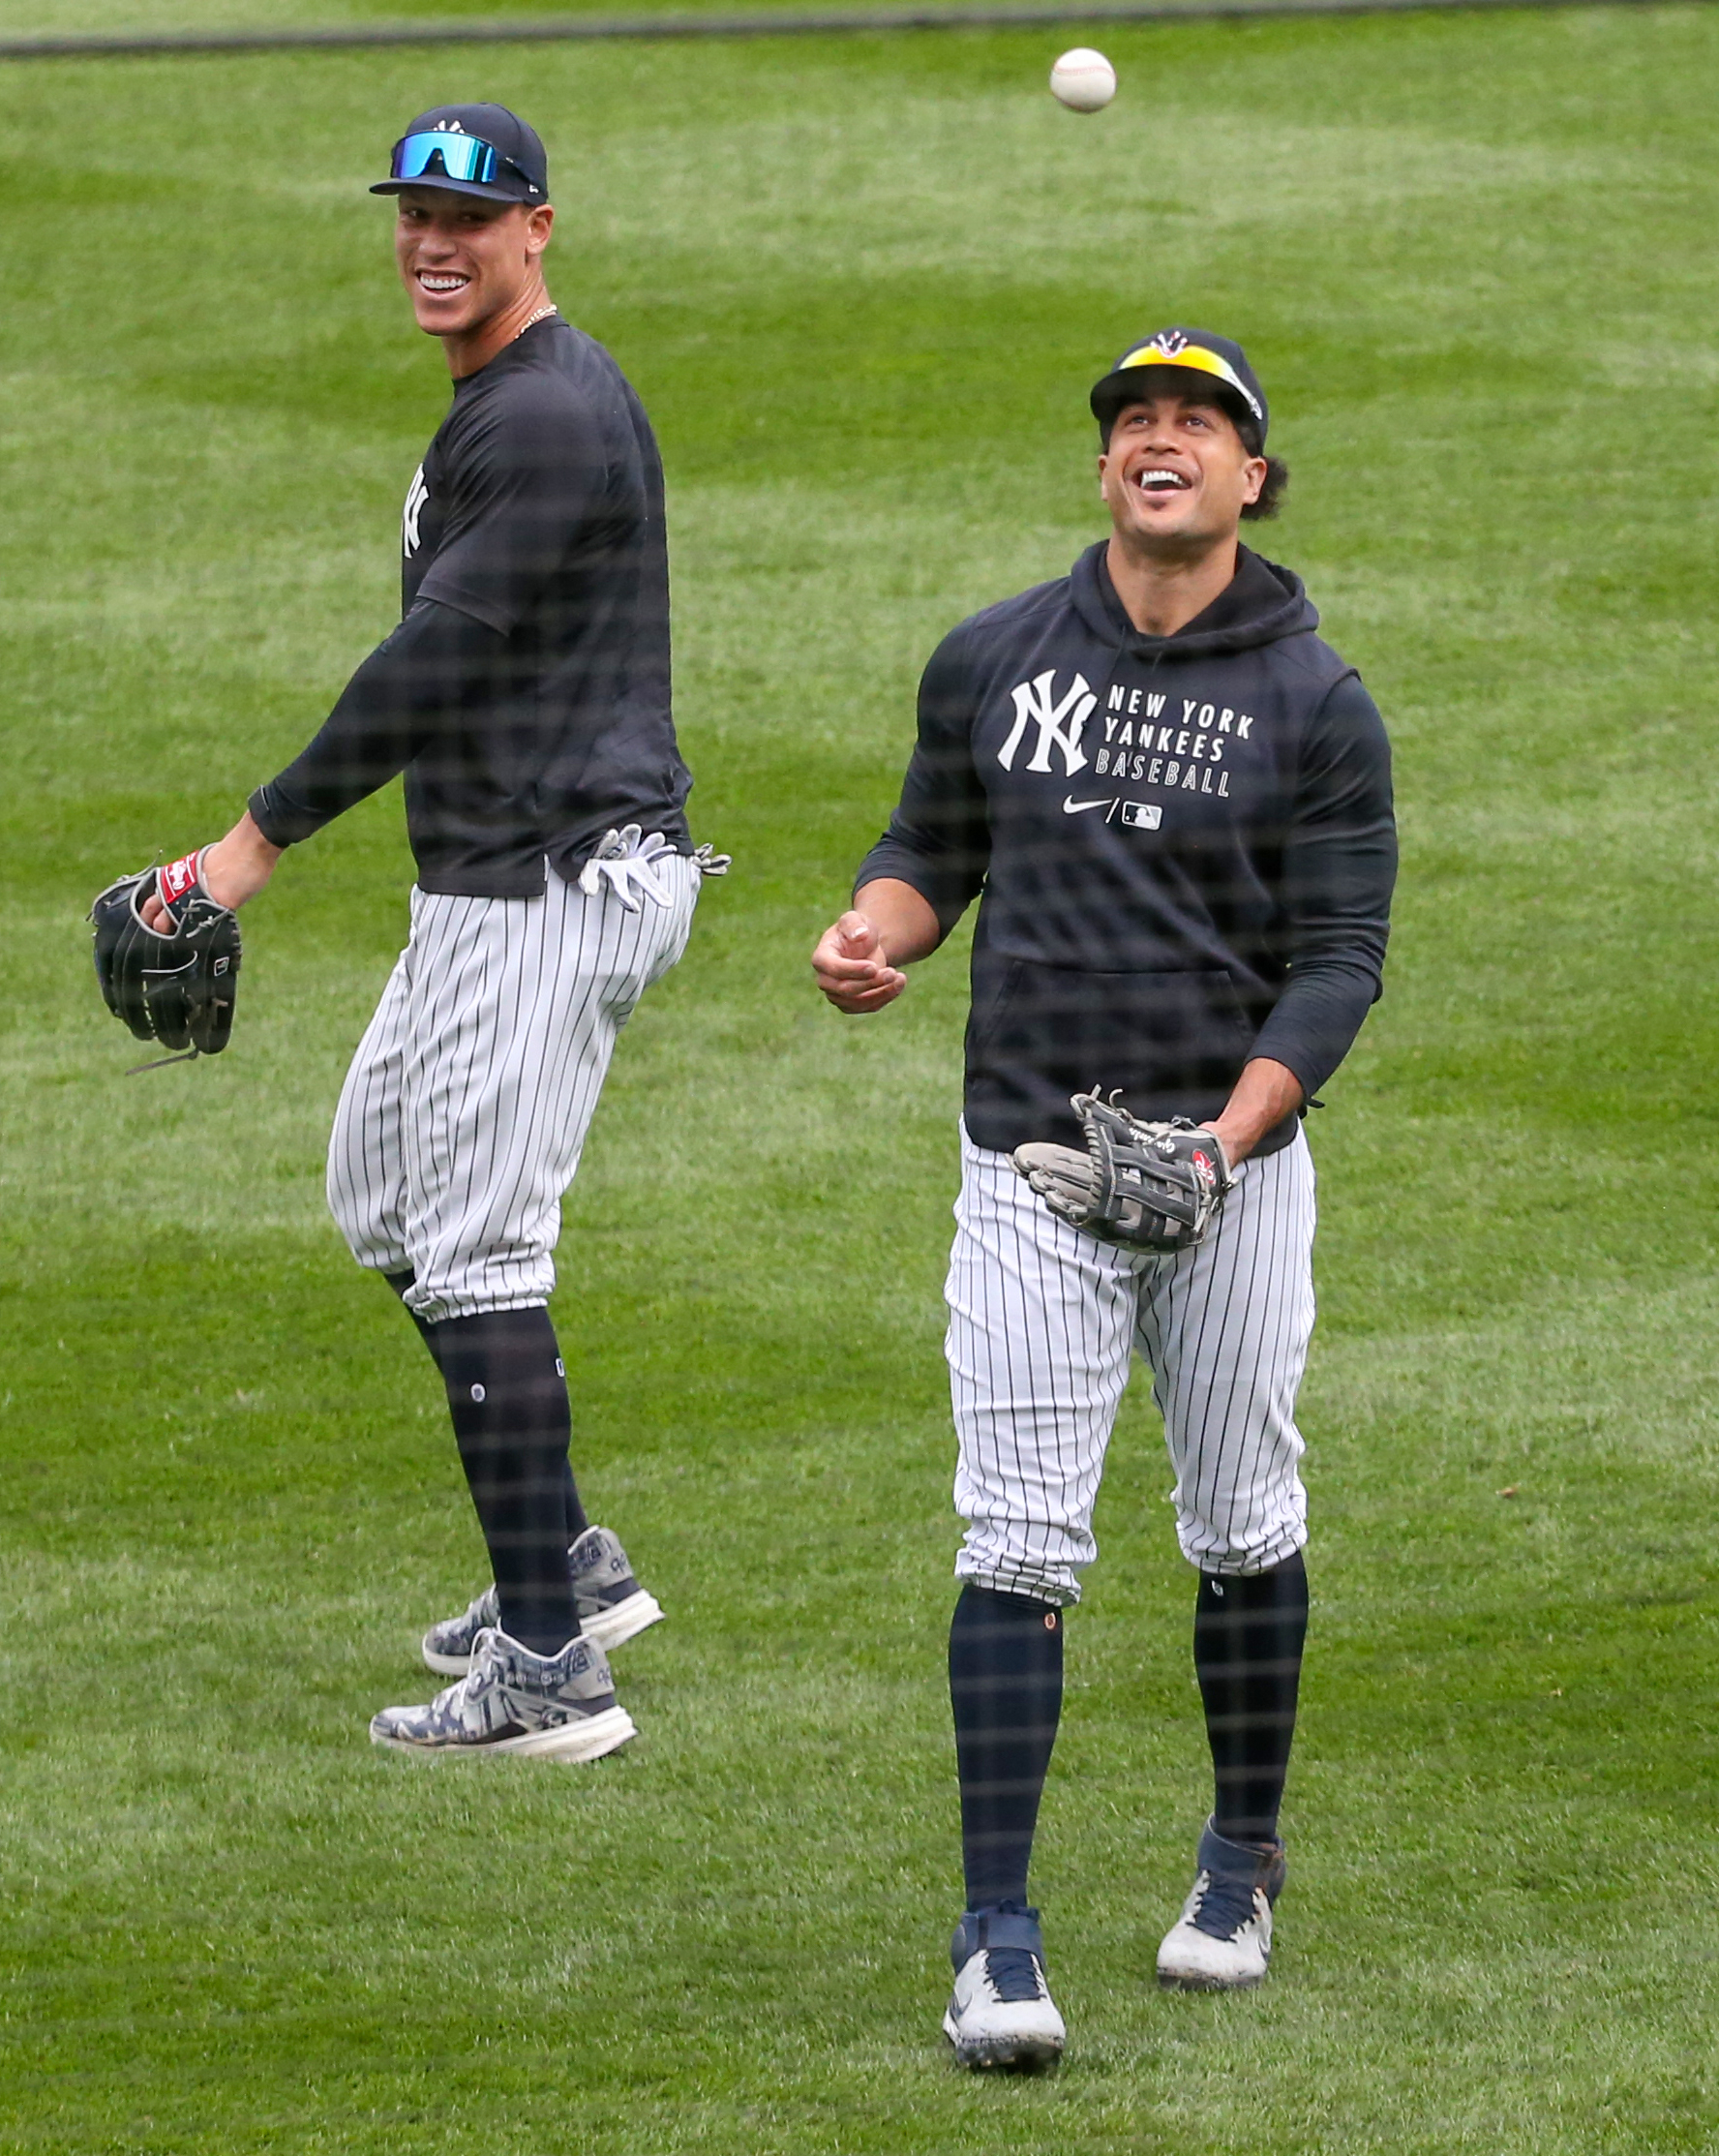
(1125, 382)
(486, 190)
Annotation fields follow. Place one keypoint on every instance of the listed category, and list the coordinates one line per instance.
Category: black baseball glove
(1142, 1186)
(176, 989)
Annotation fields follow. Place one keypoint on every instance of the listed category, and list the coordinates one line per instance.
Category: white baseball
(1083, 80)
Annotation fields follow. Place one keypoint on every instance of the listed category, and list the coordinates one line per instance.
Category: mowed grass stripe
(168, 28)
(864, 286)
(775, 21)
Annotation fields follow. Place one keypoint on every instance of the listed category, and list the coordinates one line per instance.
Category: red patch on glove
(178, 877)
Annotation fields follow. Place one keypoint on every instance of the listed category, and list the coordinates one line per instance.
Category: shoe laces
(485, 1673)
(450, 1698)
(1013, 1974)
(1223, 1904)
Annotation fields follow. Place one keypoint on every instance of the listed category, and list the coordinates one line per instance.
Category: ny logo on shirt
(1061, 723)
(416, 495)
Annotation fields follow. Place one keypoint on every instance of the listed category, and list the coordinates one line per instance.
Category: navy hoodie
(1185, 846)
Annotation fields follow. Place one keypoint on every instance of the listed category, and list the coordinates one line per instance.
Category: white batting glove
(627, 863)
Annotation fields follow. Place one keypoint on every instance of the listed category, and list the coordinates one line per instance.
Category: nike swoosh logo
(1073, 807)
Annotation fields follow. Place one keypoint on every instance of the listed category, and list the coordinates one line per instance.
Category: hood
(1260, 604)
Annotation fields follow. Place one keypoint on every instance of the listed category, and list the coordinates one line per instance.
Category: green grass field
(120, 19)
(863, 287)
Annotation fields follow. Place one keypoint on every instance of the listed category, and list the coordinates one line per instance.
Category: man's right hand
(852, 967)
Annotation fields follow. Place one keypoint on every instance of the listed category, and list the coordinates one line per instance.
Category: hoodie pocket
(1156, 1036)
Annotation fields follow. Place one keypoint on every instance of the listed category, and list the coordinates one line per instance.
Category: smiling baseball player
(1175, 799)
(524, 695)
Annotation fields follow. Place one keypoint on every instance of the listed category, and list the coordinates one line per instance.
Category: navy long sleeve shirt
(1183, 846)
(525, 693)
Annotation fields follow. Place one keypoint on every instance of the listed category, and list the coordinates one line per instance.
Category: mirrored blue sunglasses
(450, 157)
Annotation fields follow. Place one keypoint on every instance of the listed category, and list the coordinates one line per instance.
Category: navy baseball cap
(1219, 362)
(471, 149)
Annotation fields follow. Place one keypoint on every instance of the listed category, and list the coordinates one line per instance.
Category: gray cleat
(540, 1706)
(613, 1607)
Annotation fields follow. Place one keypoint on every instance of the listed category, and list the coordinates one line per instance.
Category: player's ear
(540, 224)
(1254, 479)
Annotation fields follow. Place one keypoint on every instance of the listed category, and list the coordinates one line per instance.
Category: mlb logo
(1142, 816)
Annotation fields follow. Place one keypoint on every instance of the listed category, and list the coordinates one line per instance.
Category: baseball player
(1173, 803)
(524, 695)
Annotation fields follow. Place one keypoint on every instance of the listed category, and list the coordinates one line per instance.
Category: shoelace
(1224, 1905)
(1013, 1974)
(450, 1695)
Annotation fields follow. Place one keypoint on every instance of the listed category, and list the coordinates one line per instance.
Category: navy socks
(572, 1508)
(508, 1399)
(1248, 1638)
(1005, 1687)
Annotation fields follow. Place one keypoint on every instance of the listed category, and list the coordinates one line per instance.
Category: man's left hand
(231, 870)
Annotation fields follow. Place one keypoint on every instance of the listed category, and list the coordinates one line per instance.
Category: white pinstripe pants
(464, 1114)
(1043, 1322)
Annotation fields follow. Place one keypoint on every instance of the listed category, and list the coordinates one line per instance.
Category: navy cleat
(1001, 2014)
(1222, 1939)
